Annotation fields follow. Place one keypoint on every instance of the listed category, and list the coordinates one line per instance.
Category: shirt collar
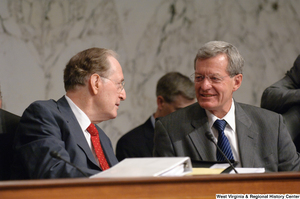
(229, 117)
(152, 120)
(81, 117)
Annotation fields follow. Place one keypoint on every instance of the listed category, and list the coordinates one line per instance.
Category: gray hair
(214, 48)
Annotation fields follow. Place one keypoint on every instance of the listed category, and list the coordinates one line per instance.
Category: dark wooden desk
(206, 186)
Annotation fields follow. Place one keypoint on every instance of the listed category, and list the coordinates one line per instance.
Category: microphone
(210, 136)
(56, 155)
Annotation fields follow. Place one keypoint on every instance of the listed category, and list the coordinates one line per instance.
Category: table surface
(200, 186)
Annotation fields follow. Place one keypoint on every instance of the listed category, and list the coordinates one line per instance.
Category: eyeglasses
(212, 78)
(120, 84)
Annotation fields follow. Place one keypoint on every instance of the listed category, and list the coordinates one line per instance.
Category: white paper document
(220, 166)
(146, 167)
(248, 170)
(238, 169)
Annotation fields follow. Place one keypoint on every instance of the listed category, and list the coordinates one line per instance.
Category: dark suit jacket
(8, 122)
(137, 142)
(284, 97)
(263, 139)
(8, 125)
(51, 126)
(285, 93)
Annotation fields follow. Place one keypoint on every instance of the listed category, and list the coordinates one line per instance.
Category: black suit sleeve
(41, 131)
(285, 93)
(280, 96)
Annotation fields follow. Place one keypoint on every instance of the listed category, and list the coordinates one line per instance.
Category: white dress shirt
(84, 123)
(229, 131)
(152, 120)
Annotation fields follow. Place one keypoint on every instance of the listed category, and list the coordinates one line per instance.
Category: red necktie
(97, 146)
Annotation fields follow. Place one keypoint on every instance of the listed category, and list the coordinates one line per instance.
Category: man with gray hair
(173, 91)
(249, 135)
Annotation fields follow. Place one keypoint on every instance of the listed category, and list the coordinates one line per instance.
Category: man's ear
(237, 81)
(95, 83)
(160, 102)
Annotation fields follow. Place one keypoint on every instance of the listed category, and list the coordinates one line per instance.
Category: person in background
(94, 84)
(285, 93)
(173, 91)
(252, 136)
(284, 97)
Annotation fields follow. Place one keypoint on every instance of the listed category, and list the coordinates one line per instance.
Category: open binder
(146, 167)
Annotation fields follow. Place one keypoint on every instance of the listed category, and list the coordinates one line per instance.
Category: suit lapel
(107, 148)
(205, 148)
(247, 138)
(75, 128)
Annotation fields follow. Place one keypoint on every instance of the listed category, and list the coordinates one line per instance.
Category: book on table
(146, 167)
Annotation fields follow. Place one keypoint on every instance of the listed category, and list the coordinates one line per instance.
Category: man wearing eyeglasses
(249, 135)
(94, 85)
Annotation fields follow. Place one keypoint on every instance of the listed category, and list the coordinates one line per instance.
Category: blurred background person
(173, 91)
(284, 97)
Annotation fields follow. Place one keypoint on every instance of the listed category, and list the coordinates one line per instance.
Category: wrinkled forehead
(213, 65)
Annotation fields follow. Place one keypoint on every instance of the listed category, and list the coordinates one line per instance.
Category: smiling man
(94, 85)
(252, 136)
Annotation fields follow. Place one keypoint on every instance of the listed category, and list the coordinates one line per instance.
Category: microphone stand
(56, 155)
(211, 138)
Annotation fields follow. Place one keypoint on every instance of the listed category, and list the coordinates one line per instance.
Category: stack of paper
(249, 170)
(145, 167)
(219, 168)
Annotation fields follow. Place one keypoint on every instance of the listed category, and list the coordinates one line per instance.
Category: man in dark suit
(284, 97)
(252, 136)
(173, 91)
(93, 81)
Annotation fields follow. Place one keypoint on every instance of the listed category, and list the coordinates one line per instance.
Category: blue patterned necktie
(223, 142)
